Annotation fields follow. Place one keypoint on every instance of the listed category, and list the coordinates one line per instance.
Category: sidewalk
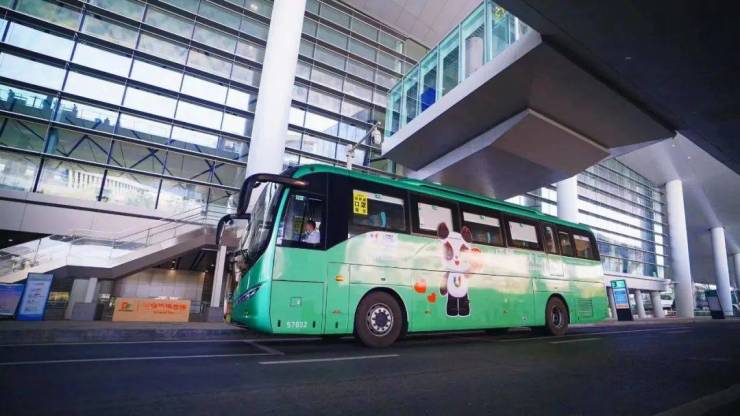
(46, 332)
(651, 321)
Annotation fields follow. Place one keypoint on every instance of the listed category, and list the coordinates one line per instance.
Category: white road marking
(591, 333)
(266, 349)
(107, 359)
(568, 341)
(321, 360)
(711, 359)
(706, 403)
(164, 341)
(633, 331)
(522, 339)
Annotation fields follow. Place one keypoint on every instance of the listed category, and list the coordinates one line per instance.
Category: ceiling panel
(425, 21)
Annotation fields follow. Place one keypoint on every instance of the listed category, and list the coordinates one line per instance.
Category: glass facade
(140, 103)
(156, 98)
(626, 212)
(483, 34)
(347, 63)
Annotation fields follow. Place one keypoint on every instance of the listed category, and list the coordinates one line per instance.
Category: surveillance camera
(377, 137)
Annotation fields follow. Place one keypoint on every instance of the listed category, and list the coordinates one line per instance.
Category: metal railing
(97, 247)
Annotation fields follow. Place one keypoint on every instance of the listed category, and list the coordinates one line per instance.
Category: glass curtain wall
(480, 37)
(626, 212)
(145, 104)
(347, 64)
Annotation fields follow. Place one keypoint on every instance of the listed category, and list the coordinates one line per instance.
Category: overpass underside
(527, 118)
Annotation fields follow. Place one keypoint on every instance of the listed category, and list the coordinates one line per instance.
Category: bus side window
(523, 234)
(485, 229)
(302, 220)
(374, 211)
(550, 244)
(565, 244)
(430, 216)
(584, 248)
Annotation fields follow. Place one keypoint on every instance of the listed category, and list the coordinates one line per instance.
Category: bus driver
(310, 234)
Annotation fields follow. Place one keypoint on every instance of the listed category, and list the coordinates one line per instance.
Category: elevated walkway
(525, 117)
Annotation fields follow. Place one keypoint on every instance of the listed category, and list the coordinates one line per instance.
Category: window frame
(524, 220)
(415, 199)
(472, 209)
(570, 240)
(373, 187)
(323, 232)
(592, 242)
(554, 228)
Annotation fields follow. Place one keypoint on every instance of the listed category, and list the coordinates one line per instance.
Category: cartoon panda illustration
(454, 284)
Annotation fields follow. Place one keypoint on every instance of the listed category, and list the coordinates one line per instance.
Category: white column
(722, 268)
(736, 258)
(680, 264)
(612, 305)
(92, 283)
(640, 305)
(657, 304)
(218, 277)
(568, 199)
(276, 87)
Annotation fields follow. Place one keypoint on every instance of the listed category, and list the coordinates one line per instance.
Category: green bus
(331, 251)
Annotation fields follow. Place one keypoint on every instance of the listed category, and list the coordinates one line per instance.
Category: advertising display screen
(33, 302)
(10, 295)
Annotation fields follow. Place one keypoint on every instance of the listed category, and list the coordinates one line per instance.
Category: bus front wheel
(556, 317)
(378, 320)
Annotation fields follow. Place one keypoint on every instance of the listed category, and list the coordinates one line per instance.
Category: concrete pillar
(612, 305)
(736, 258)
(680, 264)
(218, 277)
(657, 305)
(568, 199)
(276, 87)
(76, 295)
(722, 268)
(92, 283)
(640, 305)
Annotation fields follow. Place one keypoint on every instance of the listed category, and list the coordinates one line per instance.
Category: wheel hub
(379, 319)
(557, 317)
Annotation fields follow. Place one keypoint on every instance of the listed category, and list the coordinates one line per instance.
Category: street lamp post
(377, 139)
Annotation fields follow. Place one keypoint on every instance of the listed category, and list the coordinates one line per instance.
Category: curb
(53, 336)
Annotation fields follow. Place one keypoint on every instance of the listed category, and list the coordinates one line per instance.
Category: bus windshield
(263, 217)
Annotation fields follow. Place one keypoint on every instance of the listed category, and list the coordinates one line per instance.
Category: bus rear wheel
(378, 320)
(556, 317)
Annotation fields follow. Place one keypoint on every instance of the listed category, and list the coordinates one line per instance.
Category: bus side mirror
(228, 219)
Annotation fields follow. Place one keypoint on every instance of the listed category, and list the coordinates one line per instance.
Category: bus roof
(440, 191)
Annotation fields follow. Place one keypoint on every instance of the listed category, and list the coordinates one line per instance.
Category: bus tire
(556, 317)
(378, 320)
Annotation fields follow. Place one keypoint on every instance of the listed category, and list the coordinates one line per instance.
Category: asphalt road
(635, 370)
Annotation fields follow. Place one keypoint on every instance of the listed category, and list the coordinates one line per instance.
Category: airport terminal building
(127, 128)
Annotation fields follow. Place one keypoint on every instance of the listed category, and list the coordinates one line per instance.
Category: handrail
(61, 247)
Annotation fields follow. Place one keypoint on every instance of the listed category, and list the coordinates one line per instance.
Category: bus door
(337, 299)
(300, 265)
(554, 266)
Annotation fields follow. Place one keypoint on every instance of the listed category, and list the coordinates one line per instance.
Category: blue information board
(621, 295)
(10, 295)
(33, 302)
